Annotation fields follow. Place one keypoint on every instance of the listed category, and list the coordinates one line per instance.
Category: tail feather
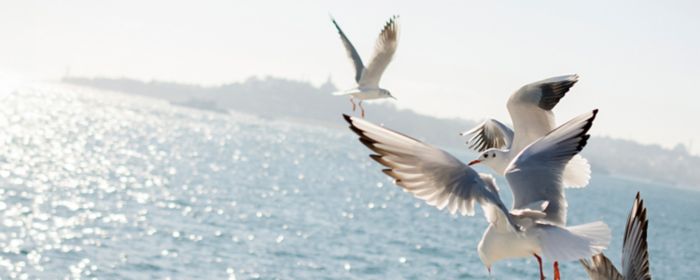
(577, 172)
(573, 243)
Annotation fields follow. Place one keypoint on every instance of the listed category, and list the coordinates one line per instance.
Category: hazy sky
(639, 61)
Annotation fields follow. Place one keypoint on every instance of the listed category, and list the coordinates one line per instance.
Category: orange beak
(474, 162)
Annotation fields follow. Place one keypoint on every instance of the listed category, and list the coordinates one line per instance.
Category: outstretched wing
(428, 173)
(352, 53)
(489, 134)
(535, 174)
(530, 108)
(635, 255)
(384, 50)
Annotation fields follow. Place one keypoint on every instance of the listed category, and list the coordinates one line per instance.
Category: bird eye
(493, 155)
(486, 155)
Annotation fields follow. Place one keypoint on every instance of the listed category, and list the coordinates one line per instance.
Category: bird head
(491, 158)
(387, 93)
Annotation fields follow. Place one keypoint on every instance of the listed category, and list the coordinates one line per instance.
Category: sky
(638, 60)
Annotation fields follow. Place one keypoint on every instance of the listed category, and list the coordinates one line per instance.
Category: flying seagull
(367, 77)
(534, 177)
(635, 255)
(530, 110)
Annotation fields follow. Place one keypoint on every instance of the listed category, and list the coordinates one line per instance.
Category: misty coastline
(275, 98)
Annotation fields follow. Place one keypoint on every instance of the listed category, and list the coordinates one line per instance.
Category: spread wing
(489, 134)
(384, 50)
(530, 108)
(427, 172)
(352, 53)
(635, 255)
(535, 174)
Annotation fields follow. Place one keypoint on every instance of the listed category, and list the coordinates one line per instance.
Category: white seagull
(367, 78)
(635, 255)
(534, 177)
(530, 110)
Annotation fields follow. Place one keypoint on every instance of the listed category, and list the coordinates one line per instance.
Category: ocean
(110, 186)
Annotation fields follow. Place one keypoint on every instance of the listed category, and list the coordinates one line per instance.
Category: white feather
(577, 173)
(576, 242)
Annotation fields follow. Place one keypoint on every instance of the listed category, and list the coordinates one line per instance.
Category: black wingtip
(354, 128)
(552, 92)
(357, 131)
(389, 172)
(584, 133)
(638, 215)
(376, 157)
(595, 114)
(392, 20)
(337, 27)
(590, 120)
(369, 143)
(589, 123)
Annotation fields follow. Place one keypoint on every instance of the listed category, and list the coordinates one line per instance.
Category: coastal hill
(275, 98)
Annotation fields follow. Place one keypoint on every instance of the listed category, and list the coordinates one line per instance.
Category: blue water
(104, 185)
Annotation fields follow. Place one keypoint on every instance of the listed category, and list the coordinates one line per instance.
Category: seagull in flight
(530, 110)
(534, 176)
(367, 77)
(635, 252)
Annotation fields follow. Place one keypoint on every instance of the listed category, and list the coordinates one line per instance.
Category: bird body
(535, 225)
(492, 247)
(530, 110)
(366, 93)
(367, 77)
(542, 239)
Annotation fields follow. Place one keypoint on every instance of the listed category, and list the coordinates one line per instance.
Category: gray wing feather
(352, 52)
(635, 255)
(489, 134)
(535, 174)
(601, 268)
(554, 91)
(546, 93)
(530, 108)
(635, 252)
(428, 173)
(384, 50)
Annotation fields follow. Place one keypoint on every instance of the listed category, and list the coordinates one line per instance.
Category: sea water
(110, 186)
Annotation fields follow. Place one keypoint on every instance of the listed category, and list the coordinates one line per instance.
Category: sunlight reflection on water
(113, 186)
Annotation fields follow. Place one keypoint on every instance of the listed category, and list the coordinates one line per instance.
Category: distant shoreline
(272, 98)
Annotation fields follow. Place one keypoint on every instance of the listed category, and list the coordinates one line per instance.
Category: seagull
(530, 109)
(635, 255)
(367, 78)
(534, 176)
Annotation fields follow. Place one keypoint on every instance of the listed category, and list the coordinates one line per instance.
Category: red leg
(539, 262)
(363, 109)
(353, 104)
(556, 270)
